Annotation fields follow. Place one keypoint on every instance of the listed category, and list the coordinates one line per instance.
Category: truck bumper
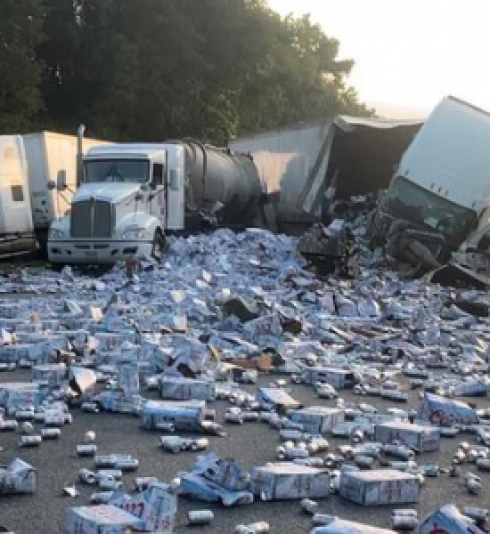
(96, 252)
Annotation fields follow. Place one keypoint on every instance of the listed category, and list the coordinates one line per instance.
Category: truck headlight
(56, 234)
(134, 233)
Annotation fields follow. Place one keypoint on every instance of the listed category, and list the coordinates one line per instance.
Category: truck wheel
(158, 245)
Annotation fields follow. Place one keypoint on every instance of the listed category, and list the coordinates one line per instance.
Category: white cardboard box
(287, 480)
(101, 519)
(317, 419)
(379, 486)
(421, 438)
(181, 388)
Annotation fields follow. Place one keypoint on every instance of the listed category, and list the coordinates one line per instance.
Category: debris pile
(224, 334)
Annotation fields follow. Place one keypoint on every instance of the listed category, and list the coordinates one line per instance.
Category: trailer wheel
(159, 244)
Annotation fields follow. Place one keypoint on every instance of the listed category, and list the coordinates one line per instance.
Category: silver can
(86, 450)
(127, 464)
(309, 506)
(115, 473)
(30, 441)
(109, 483)
(9, 425)
(141, 483)
(50, 433)
(404, 522)
(90, 407)
(101, 497)
(478, 514)
(253, 528)
(87, 477)
(200, 517)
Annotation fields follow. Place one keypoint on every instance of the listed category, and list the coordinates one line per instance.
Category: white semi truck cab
(132, 195)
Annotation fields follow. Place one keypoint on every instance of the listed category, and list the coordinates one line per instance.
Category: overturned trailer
(307, 168)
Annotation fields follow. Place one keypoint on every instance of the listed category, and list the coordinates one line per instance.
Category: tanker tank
(219, 175)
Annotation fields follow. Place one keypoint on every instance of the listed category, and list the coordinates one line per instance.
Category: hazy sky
(408, 53)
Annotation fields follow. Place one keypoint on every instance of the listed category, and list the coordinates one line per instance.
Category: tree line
(158, 69)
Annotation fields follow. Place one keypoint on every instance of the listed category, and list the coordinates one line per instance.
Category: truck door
(157, 199)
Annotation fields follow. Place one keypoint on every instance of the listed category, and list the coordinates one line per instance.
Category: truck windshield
(414, 203)
(128, 171)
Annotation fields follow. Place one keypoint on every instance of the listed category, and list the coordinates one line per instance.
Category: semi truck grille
(91, 218)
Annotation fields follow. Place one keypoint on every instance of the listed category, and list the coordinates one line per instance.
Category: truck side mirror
(61, 180)
(174, 181)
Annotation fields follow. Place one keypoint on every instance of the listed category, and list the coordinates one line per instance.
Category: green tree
(20, 34)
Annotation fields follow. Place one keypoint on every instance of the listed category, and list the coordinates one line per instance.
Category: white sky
(408, 54)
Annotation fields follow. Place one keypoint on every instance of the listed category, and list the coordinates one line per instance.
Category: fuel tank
(215, 175)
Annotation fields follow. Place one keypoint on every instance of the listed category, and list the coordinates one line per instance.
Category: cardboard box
(338, 378)
(184, 415)
(278, 398)
(379, 487)
(52, 374)
(440, 411)
(420, 438)
(15, 394)
(287, 480)
(317, 419)
(102, 519)
(180, 388)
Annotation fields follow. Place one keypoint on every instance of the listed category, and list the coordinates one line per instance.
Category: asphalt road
(251, 444)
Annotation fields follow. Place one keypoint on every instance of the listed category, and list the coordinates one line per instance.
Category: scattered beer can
(309, 506)
(87, 477)
(86, 450)
(9, 425)
(253, 528)
(200, 517)
(101, 497)
(30, 441)
(50, 433)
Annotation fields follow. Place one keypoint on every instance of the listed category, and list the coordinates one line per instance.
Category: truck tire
(159, 245)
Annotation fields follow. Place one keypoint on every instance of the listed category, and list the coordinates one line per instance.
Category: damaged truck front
(440, 193)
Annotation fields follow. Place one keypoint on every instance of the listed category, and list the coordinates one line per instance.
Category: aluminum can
(200, 517)
(30, 441)
(50, 433)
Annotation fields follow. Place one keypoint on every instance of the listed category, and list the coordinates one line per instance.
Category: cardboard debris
(449, 520)
(18, 477)
(343, 526)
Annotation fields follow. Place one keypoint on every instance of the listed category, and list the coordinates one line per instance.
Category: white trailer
(48, 154)
(16, 225)
(307, 167)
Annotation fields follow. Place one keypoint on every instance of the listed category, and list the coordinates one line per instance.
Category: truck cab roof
(127, 150)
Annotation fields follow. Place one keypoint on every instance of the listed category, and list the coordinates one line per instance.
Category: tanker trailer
(132, 195)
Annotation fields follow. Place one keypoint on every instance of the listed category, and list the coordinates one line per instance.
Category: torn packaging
(216, 480)
(151, 510)
(18, 477)
(278, 398)
(449, 520)
(341, 526)
(156, 506)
